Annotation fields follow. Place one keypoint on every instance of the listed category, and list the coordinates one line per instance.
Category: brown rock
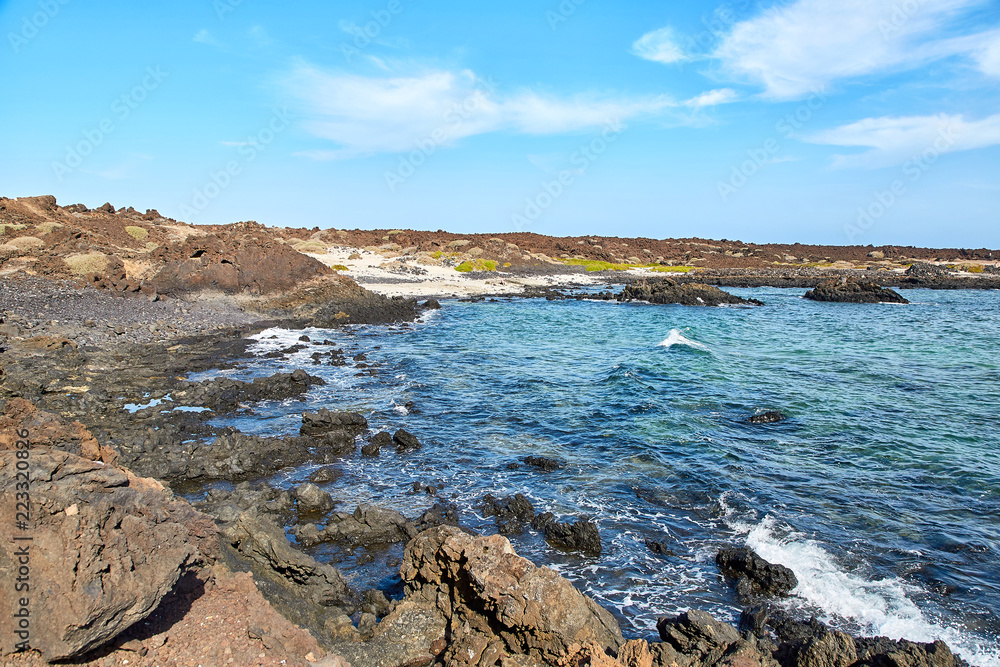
(106, 547)
(490, 596)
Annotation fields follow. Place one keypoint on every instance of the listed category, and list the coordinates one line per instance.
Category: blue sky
(823, 121)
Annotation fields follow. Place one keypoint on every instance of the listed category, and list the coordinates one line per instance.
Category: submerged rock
(769, 417)
(405, 441)
(324, 421)
(544, 463)
(667, 291)
(852, 290)
(754, 574)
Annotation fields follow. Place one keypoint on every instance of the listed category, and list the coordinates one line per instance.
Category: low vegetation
(470, 265)
(138, 233)
(91, 262)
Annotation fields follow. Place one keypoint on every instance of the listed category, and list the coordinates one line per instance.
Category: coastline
(83, 368)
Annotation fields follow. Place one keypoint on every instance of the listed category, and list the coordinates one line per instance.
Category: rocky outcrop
(405, 441)
(510, 514)
(581, 535)
(544, 463)
(237, 456)
(244, 258)
(367, 526)
(106, 547)
(667, 291)
(493, 603)
(753, 574)
(309, 593)
(49, 430)
(324, 421)
(850, 290)
(334, 301)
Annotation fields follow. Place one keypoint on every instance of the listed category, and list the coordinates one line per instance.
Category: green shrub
(339, 267)
(92, 262)
(468, 266)
(671, 269)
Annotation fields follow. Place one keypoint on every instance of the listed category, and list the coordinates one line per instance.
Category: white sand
(392, 274)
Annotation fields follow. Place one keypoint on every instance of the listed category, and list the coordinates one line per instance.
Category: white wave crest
(675, 337)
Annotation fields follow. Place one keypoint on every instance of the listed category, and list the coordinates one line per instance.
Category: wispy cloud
(713, 98)
(795, 49)
(894, 140)
(659, 46)
(203, 36)
(364, 115)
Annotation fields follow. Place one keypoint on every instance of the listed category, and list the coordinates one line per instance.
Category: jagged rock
(769, 417)
(325, 475)
(405, 441)
(695, 637)
(324, 421)
(264, 543)
(764, 578)
(494, 602)
(852, 290)
(313, 499)
(580, 536)
(106, 547)
(544, 463)
(374, 448)
(412, 635)
(667, 291)
(509, 513)
(367, 526)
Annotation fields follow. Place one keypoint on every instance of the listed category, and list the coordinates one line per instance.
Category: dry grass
(25, 243)
(4, 227)
(312, 247)
(138, 233)
(91, 262)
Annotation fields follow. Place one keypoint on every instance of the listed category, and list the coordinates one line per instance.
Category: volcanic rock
(851, 290)
(667, 291)
(763, 577)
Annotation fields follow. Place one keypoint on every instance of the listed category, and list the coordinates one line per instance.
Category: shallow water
(881, 491)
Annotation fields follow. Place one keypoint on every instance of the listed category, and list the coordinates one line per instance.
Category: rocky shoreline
(108, 443)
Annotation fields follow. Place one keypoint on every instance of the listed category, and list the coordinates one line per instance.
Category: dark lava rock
(405, 441)
(509, 513)
(763, 577)
(440, 514)
(324, 421)
(659, 547)
(313, 499)
(543, 463)
(431, 304)
(579, 536)
(667, 291)
(542, 520)
(374, 448)
(925, 270)
(851, 290)
(368, 526)
(325, 475)
(769, 417)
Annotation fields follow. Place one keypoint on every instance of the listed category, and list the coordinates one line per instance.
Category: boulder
(761, 577)
(367, 526)
(852, 290)
(106, 547)
(509, 513)
(405, 441)
(496, 603)
(325, 474)
(581, 535)
(667, 291)
(264, 543)
(324, 421)
(312, 499)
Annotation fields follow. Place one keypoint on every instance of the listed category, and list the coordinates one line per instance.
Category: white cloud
(712, 98)
(988, 54)
(894, 140)
(203, 36)
(366, 115)
(659, 46)
(805, 46)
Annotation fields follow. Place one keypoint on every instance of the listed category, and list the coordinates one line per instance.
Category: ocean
(881, 489)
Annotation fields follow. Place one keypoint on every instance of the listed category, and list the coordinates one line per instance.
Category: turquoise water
(881, 490)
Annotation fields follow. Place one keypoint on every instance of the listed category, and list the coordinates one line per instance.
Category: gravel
(33, 306)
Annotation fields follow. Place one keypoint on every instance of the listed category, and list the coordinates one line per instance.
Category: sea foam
(675, 337)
